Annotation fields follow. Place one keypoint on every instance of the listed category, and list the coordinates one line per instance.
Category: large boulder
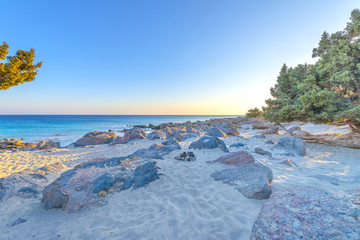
(293, 145)
(46, 144)
(253, 180)
(305, 213)
(135, 133)
(156, 151)
(208, 142)
(264, 125)
(84, 186)
(239, 158)
(157, 134)
(216, 132)
(95, 138)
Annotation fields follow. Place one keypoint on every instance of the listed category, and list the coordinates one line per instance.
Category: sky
(198, 57)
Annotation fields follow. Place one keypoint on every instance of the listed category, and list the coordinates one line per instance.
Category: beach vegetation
(17, 69)
(326, 91)
(254, 113)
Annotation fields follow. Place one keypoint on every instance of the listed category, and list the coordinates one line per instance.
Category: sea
(66, 129)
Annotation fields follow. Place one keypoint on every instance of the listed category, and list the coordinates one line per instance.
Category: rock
(272, 130)
(263, 152)
(237, 145)
(186, 156)
(305, 213)
(119, 140)
(252, 180)
(289, 163)
(13, 141)
(27, 192)
(135, 133)
(84, 186)
(295, 145)
(240, 158)
(296, 128)
(141, 126)
(95, 138)
(262, 125)
(18, 221)
(269, 142)
(233, 131)
(259, 136)
(216, 132)
(300, 133)
(157, 134)
(156, 151)
(55, 167)
(46, 144)
(172, 141)
(208, 142)
(181, 136)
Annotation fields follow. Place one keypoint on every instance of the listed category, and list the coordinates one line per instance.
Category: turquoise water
(68, 128)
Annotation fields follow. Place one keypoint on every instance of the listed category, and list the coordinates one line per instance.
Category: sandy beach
(185, 202)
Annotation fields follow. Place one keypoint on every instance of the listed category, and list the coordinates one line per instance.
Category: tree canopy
(326, 91)
(17, 69)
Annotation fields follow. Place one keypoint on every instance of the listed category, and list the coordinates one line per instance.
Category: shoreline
(185, 201)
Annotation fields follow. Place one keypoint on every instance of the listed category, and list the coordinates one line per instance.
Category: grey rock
(272, 130)
(27, 192)
(172, 141)
(208, 142)
(156, 151)
(305, 213)
(289, 163)
(157, 134)
(252, 180)
(263, 152)
(237, 145)
(292, 129)
(295, 145)
(95, 138)
(119, 140)
(18, 221)
(46, 144)
(269, 142)
(216, 132)
(239, 158)
(186, 156)
(181, 136)
(84, 186)
(259, 136)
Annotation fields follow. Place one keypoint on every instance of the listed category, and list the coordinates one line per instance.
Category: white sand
(185, 203)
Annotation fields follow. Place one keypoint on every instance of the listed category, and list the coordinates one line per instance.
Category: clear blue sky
(160, 57)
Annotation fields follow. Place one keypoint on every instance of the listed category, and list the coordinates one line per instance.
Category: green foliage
(18, 69)
(253, 113)
(327, 91)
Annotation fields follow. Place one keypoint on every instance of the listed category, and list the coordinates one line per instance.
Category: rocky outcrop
(239, 158)
(208, 142)
(305, 213)
(85, 186)
(46, 144)
(95, 138)
(135, 133)
(292, 145)
(252, 180)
